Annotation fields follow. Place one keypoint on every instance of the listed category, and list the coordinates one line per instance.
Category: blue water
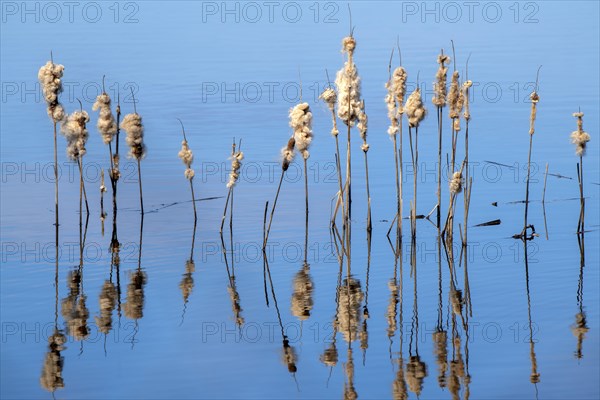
(226, 72)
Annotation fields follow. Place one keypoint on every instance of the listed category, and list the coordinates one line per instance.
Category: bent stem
(225, 209)
(82, 185)
(273, 209)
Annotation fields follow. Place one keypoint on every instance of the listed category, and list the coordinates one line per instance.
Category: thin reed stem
(140, 184)
(397, 183)
(225, 209)
(193, 199)
(82, 185)
(273, 209)
(527, 184)
(369, 226)
(55, 177)
(439, 188)
(306, 188)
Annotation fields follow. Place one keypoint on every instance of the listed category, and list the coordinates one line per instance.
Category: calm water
(214, 329)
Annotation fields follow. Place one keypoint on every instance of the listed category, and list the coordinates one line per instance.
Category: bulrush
(456, 183)
(580, 138)
(301, 123)
(415, 111)
(50, 77)
(454, 103)
(75, 131)
(535, 98)
(132, 125)
(186, 155)
(394, 99)
(329, 96)
(107, 127)
(347, 82)
(439, 100)
(236, 164)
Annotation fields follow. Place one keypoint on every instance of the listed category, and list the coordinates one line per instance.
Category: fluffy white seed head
(348, 45)
(441, 76)
(301, 123)
(347, 83)
(107, 126)
(50, 76)
(186, 154)
(236, 165)
(75, 131)
(415, 109)
(535, 98)
(132, 125)
(466, 86)
(399, 77)
(579, 137)
(189, 173)
(287, 154)
(363, 125)
(329, 96)
(453, 96)
(456, 183)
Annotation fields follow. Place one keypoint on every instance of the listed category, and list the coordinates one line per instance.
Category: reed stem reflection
(51, 378)
(187, 281)
(134, 305)
(580, 328)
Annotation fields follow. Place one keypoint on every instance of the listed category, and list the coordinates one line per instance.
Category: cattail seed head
(132, 125)
(287, 154)
(301, 123)
(75, 131)
(535, 98)
(329, 96)
(456, 183)
(466, 86)
(102, 186)
(453, 95)
(579, 137)
(441, 76)
(50, 76)
(348, 45)
(186, 154)
(236, 164)
(107, 126)
(415, 109)
(115, 173)
(363, 124)
(399, 77)
(347, 82)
